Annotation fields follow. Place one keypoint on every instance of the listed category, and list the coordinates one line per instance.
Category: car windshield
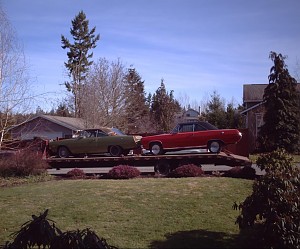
(117, 131)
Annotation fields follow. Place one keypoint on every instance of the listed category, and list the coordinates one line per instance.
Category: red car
(191, 136)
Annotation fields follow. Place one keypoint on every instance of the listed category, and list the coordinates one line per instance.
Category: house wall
(253, 124)
(40, 127)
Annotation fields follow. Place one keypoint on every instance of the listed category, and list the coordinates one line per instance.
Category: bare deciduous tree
(104, 98)
(14, 87)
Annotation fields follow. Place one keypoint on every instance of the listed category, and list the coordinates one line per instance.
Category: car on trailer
(98, 141)
(191, 135)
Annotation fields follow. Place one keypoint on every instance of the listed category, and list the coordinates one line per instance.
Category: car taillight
(137, 139)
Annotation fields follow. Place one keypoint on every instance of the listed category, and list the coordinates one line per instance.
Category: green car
(95, 142)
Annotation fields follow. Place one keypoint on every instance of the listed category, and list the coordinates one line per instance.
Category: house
(47, 126)
(254, 111)
(190, 115)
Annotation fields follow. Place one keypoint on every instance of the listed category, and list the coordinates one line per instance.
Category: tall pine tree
(78, 56)
(163, 108)
(136, 110)
(281, 120)
(215, 111)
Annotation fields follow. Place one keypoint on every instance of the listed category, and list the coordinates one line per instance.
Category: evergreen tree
(62, 110)
(234, 119)
(163, 108)
(78, 56)
(136, 111)
(281, 120)
(215, 112)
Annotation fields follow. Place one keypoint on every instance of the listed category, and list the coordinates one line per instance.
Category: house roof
(68, 122)
(252, 107)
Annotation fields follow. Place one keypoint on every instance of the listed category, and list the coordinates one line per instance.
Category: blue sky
(196, 46)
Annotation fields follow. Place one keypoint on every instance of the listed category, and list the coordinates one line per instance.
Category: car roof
(206, 124)
(194, 122)
(104, 129)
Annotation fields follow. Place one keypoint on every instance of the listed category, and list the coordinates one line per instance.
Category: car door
(184, 136)
(86, 143)
(202, 135)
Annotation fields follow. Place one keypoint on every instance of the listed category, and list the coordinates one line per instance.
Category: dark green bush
(246, 172)
(85, 238)
(123, 172)
(188, 170)
(76, 173)
(23, 163)
(41, 232)
(272, 210)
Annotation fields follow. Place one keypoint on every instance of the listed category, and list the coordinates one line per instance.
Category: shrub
(188, 170)
(41, 232)
(76, 173)
(23, 163)
(241, 172)
(272, 210)
(123, 172)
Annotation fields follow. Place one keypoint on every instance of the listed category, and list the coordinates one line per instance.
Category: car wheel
(115, 150)
(156, 149)
(162, 167)
(214, 146)
(63, 152)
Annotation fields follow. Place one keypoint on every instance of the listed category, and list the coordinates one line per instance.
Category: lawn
(138, 213)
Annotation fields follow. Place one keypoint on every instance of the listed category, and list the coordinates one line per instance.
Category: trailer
(163, 164)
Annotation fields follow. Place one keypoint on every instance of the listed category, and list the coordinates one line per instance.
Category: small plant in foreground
(39, 232)
(188, 170)
(123, 172)
(76, 173)
(272, 210)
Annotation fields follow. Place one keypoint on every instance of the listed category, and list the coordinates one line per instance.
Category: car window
(208, 126)
(117, 131)
(186, 128)
(199, 127)
(101, 134)
(84, 134)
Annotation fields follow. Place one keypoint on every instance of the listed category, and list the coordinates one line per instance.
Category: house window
(259, 122)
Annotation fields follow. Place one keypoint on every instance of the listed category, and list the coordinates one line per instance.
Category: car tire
(156, 149)
(63, 152)
(214, 146)
(162, 168)
(115, 150)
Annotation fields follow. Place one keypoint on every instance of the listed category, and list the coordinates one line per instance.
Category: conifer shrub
(23, 163)
(272, 210)
(123, 172)
(246, 172)
(76, 173)
(188, 170)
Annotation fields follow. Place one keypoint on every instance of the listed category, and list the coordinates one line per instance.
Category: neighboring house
(190, 115)
(47, 126)
(254, 110)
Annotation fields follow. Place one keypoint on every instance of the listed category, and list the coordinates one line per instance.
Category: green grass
(137, 213)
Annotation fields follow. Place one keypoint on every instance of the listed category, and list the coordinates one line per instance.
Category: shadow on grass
(202, 239)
